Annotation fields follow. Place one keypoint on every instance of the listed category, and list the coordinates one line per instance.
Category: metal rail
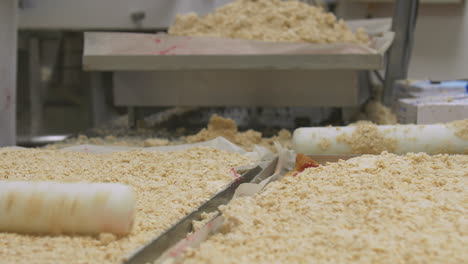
(404, 24)
(8, 46)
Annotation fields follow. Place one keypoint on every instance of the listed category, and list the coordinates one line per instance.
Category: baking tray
(117, 51)
(157, 247)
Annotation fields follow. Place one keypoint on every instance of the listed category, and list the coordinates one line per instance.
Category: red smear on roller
(157, 40)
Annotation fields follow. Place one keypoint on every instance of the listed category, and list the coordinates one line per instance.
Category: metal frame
(404, 23)
(397, 64)
(8, 59)
(35, 86)
(405, 14)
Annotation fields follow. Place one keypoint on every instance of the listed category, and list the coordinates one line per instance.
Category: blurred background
(56, 97)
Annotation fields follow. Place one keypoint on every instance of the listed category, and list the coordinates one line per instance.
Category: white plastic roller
(54, 208)
(431, 139)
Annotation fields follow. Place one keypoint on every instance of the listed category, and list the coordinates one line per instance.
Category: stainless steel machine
(134, 87)
(260, 80)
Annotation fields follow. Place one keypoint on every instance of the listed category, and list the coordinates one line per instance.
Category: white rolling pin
(56, 208)
(431, 139)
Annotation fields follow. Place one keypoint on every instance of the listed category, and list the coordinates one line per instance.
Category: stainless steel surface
(8, 51)
(290, 88)
(35, 87)
(110, 14)
(41, 140)
(132, 117)
(404, 22)
(117, 51)
(152, 251)
(103, 62)
(53, 93)
(101, 109)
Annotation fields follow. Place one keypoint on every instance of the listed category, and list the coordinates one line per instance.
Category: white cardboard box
(430, 110)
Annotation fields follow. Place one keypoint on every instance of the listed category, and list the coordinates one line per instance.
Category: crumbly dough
(324, 144)
(155, 142)
(227, 128)
(377, 113)
(370, 209)
(284, 138)
(205, 218)
(111, 141)
(269, 20)
(168, 187)
(106, 238)
(217, 127)
(221, 127)
(461, 128)
(367, 139)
